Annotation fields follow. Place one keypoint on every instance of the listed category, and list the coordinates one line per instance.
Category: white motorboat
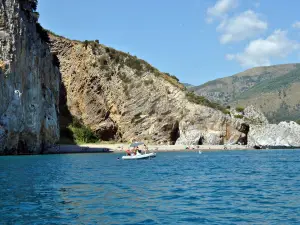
(140, 156)
(137, 154)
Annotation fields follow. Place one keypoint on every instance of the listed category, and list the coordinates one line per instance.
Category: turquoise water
(238, 187)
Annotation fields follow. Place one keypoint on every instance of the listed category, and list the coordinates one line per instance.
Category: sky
(195, 40)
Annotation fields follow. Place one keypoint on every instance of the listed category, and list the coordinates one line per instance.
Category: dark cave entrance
(200, 141)
(175, 133)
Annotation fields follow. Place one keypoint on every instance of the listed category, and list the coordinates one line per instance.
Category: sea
(222, 187)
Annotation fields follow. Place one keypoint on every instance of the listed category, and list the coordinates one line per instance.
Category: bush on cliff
(240, 109)
(238, 116)
(81, 133)
(200, 100)
(43, 33)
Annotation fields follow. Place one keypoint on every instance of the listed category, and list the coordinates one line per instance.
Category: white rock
(285, 134)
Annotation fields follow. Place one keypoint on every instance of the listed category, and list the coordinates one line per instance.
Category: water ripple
(238, 187)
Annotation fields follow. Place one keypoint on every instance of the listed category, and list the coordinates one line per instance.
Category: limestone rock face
(262, 134)
(285, 134)
(255, 116)
(123, 98)
(211, 127)
(29, 83)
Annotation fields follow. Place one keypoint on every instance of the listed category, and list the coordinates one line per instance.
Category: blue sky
(196, 40)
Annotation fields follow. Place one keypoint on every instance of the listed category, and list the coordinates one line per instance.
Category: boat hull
(136, 157)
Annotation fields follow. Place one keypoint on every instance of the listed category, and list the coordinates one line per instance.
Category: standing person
(134, 150)
(146, 148)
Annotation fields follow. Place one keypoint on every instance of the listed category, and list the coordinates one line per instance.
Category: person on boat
(134, 151)
(146, 148)
(138, 150)
(128, 152)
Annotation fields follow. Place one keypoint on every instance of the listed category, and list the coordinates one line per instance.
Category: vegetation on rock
(274, 90)
(239, 116)
(200, 100)
(82, 134)
(240, 109)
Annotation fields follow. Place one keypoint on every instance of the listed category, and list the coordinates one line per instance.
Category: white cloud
(260, 52)
(241, 27)
(296, 25)
(220, 9)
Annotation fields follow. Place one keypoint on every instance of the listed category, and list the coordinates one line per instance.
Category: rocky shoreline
(120, 148)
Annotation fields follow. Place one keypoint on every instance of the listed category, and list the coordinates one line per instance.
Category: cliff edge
(29, 81)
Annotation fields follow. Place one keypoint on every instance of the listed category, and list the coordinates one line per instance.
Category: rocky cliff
(29, 81)
(264, 135)
(274, 89)
(282, 135)
(123, 98)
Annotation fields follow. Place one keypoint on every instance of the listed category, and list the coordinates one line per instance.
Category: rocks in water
(285, 134)
(29, 83)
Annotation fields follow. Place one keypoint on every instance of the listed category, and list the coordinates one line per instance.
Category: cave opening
(175, 133)
(200, 141)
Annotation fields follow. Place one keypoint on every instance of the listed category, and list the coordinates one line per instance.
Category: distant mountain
(188, 85)
(274, 89)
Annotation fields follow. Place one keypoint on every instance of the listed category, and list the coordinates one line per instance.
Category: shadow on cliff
(65, 118)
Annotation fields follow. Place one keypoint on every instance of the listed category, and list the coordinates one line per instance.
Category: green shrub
(298, 121)
(81, 133)
(239, 116)
(134, 63)
(200, 100)
(240, 109)
(140, 66)
(172, 76)
(226, 111)
(97, 41)
(43, 33)
(85, 44)
(171, 79)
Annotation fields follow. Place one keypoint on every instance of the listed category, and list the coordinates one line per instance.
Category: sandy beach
(117, 148)
(121, 147)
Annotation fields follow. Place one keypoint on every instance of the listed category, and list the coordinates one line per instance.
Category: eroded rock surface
(29, 83)
(123, 98)
(285, 134)
(255, 116)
